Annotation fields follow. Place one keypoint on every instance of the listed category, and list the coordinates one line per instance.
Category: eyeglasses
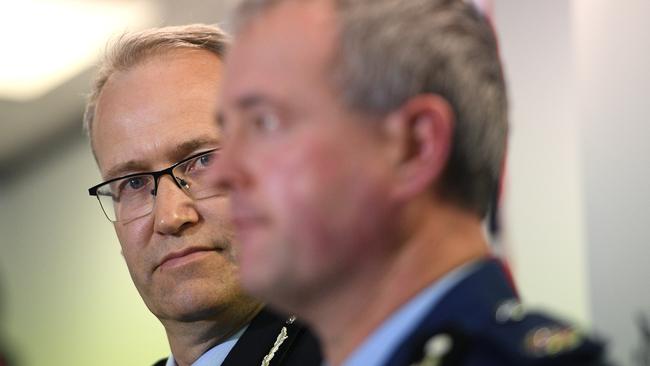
(130, 197)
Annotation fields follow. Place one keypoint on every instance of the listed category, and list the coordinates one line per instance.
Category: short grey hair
(390, 51)
(130, 49)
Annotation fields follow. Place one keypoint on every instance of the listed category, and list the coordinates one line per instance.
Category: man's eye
(205, 160)
(199, 163)
(135, 183)
(131, 184)
(266, 122)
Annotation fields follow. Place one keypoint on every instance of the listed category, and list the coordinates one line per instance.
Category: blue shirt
(215, 355)
(387, 337)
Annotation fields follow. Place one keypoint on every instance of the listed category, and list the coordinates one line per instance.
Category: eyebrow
(243, 103)
(251, 101)
(119, 169)
(179, 152)
(187, 147)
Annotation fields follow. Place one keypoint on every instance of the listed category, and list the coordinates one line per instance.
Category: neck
(189, 340)
(428, 249)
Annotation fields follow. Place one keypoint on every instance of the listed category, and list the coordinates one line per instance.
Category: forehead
(147, 111)
(287, 46)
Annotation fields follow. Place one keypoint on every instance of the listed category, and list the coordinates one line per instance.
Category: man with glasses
(150, 118)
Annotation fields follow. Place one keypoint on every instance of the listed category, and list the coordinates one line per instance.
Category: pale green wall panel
(67, 295)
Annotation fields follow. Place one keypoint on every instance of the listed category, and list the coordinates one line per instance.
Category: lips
(186, 255)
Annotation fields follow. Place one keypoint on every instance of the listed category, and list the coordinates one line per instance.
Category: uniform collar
(383, 341)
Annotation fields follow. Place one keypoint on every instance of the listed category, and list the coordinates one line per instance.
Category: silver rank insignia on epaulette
(552, 340)
(278, 341)
(291, 319)
(435, 349)
(510, 310)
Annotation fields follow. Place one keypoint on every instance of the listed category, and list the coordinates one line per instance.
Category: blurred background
(575, 222)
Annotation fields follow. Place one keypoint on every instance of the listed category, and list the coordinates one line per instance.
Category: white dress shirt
(215, 355)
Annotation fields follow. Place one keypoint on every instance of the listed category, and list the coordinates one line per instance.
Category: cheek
(218, 224)
(215, 212)
(133, 239)
(299, 182)
(320, 198)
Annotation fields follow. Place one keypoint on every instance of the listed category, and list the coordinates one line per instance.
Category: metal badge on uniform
(552, 340)
(266, 361)
(510, 310)
(436, 348)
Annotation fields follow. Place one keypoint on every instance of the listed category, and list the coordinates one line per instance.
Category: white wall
(67, 295)
(578, 188)
(613, 73)
(543, 197)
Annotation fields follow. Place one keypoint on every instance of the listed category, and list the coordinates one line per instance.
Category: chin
(197, 312)
(195, 303)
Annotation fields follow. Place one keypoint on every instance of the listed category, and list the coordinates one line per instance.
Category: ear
(422, 131)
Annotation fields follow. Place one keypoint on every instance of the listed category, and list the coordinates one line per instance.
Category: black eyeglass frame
(180, 183)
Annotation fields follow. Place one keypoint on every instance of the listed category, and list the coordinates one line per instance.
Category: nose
(173, 210)
(227, 171)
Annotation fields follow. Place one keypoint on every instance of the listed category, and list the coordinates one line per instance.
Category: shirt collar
(215, 355)
(383, 341)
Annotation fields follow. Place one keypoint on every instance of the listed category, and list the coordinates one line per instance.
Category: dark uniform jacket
(300, 348)
(481, 322)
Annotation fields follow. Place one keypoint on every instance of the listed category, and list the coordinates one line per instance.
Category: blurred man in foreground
(150, 119)
(362, 142)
